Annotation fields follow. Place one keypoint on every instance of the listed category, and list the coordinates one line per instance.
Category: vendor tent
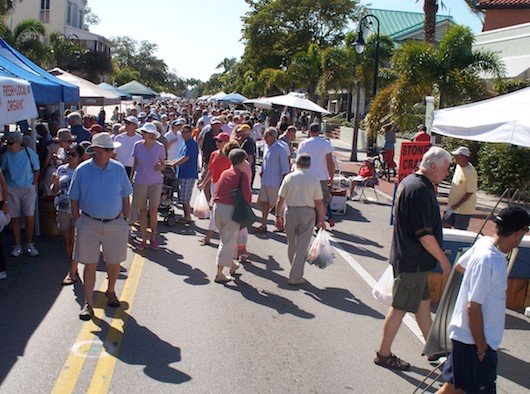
(16, 101)
(47, 88)
(292, 100)
(217, 96)
(504, 118)
(90, 93)
(135, 88)
(261, 103)
(114, 90)
(233, 98)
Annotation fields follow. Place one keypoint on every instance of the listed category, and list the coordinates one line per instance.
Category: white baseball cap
(464, 151)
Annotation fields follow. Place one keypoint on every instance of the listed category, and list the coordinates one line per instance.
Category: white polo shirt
(484, 283)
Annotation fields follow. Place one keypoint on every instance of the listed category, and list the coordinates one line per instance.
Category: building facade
(62, 16)
(504, 13)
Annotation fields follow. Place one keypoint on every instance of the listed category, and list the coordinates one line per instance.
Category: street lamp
(360, 46)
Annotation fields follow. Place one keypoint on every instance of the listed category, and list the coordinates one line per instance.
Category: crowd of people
(92, 168)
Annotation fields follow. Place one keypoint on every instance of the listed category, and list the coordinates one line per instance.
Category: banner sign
(411, 154)
(16, 101)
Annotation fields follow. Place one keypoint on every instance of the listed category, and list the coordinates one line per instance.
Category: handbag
(243, 213)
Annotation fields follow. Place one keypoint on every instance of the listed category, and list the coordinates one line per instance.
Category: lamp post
(360, 46)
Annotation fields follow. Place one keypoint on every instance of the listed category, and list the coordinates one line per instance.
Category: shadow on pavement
(341, 299)
(361, 251)
(513, 368)
(421, 373)
(32, 286)
(515, 323)
(174, 264)
(354, 238)
(140, 346)
(262, 297)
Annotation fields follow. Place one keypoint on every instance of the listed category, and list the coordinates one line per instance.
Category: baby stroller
(166, 209)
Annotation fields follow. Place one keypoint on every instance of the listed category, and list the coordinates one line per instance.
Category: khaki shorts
(268, 194)
(142, 193)
(21, 198)
(92, 234)
(410, 288)
(65, 221)
(326, 192)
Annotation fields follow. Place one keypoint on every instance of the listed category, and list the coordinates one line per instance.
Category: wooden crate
(517, 293)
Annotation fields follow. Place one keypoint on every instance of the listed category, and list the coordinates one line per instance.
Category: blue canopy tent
(47, 88)
(233, 98)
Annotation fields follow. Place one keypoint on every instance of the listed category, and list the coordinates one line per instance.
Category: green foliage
(6, 6)
(503, 166)
(25, 38)
(503, 86)
(90, 19)
(128, 54)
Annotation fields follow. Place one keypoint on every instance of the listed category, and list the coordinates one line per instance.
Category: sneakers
(3, 275)
(86, 312)
(31, 250)
(16, 251)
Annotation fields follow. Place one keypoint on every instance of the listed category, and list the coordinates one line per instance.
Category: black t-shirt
(249, 146)
(416, 213)
(208, 146)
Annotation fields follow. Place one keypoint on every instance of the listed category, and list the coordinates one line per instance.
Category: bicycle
(380, 166)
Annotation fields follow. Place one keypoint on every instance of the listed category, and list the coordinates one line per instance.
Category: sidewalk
(385, 189)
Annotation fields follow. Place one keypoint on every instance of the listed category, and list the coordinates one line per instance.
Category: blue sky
(193, 37)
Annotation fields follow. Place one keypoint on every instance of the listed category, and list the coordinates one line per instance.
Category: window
(45, 11)
(74, 14)
(80, 19)
(69, 13)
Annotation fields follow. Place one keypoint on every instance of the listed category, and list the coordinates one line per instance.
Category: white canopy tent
(216, 96)
(90, 93)
(16, 101)
(504, 119)
(292, 100)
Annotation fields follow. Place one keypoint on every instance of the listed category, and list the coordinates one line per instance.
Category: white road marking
(409, 320)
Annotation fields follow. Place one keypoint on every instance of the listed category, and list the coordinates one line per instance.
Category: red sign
(411, 154)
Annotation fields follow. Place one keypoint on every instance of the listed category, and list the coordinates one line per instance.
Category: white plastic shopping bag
(201, 209)
(320, 252)
(382, 290)
(4, 219)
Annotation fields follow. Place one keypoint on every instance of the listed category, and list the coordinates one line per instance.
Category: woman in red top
(217, 164)
(224, 209)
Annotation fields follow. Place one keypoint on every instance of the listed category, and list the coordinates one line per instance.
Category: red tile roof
(486, 4)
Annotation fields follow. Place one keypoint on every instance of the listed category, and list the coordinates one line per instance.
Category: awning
(135, 88)
(114, 90)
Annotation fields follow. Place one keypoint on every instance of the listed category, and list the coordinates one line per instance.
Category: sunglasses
(105, 149)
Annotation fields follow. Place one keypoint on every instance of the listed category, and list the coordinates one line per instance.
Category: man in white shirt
(322, 164)
(175, 142)
(205, 118)
(127, 139)
(477, 324)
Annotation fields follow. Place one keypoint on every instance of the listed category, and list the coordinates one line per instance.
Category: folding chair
(361, 186)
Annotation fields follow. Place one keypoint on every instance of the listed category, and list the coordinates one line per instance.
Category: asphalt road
(178, 330)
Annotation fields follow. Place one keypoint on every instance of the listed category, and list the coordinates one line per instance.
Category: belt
(293, 206)
(101, 220)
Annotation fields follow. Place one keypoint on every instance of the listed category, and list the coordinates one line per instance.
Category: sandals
(113, 300)
(222, 279)
(205, 242)
(184, 221)
(243, 258)
(67, 281)
(391, 362)
(259, 230)
(234, 268)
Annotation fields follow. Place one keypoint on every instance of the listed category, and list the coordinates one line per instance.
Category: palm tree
(451, 70)
(430, 8)
(6, 6)
(24, 37)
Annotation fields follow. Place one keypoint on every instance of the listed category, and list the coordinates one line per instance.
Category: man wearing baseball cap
(477, 324)
(463, 194)
(99, 196)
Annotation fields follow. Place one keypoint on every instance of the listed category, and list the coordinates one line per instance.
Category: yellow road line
(102, 377)
(69, 375)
